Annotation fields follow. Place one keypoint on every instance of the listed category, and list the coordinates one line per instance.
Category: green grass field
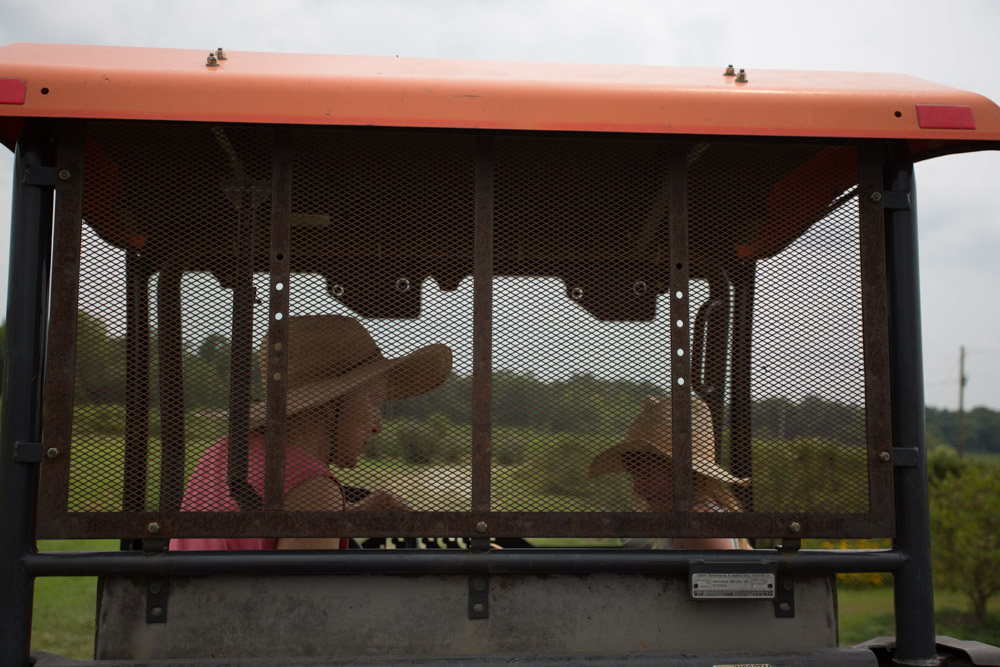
(63, 622)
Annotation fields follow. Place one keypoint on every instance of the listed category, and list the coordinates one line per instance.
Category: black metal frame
(20, 562)
(28, 285)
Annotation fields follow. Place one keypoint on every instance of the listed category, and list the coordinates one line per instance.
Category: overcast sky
(953, 43)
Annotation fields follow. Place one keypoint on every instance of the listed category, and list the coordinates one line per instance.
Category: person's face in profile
(360, 418)
(652, 479)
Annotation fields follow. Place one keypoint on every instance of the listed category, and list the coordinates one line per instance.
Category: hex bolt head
(876, 196)
(479, 585)
(153, 527)
(64, 174)
(742, 76)
(52, 452)
(730, 71)
(155, 589)
(885, 457)
(481, 526)
(795, 527)
(212, 60)
(220, 53)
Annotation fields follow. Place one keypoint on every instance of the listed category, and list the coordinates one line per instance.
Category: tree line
(579, 404)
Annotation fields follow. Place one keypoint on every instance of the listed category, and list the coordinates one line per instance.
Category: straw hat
(330, 355)
(651, 431)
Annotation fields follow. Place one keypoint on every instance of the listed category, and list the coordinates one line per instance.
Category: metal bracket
(905, 457)
(150, 547)
(479, 596)
(27, 452)
(784, 596)
(896, 201)
(40, 177)
(156, 600)
(790, 545)
(479, 584)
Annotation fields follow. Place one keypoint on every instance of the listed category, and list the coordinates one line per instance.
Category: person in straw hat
(646, 454)
(337, 381)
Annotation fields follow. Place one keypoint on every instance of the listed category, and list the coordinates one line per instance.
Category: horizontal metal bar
(443, 561)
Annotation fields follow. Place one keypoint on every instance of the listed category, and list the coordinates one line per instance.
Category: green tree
(965, 524)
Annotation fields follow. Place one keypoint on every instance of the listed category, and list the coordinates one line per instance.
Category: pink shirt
(207, 491)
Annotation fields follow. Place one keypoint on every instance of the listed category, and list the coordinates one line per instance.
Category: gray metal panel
(425, 617)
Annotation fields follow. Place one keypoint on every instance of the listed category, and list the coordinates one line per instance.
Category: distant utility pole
(961, 401)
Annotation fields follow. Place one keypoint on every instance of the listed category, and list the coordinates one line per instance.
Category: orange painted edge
(173, 84)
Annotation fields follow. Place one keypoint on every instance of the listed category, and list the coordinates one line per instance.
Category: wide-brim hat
(331, 355)
(651, 431)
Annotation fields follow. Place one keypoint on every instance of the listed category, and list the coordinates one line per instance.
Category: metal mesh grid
(355, 313)
(395, 250)
(791, 245)
(176, 201)
(575, 353)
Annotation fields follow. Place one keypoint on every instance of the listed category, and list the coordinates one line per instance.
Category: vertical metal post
(241, 355)
(744, 277)
(137, 359)
(914, 592)
(277, 330)
(31, 235)
(171, 369)
(482, 322)
(680, 337)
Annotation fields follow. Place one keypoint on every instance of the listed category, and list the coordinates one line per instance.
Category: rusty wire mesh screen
(351, 311)
(169, 201)
(780, 225)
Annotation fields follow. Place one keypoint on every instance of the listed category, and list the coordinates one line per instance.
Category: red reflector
(945, 117)
(12, 91)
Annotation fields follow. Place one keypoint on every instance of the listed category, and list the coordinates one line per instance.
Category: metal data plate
(741, 585)
(731, 581)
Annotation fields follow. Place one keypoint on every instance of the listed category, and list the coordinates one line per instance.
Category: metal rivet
(742, 76)
(153, 527)
(52, 453)
(730, 71)
(479, 585)
(220, 53)
(481, 526)
(403, 285)
(154, 588)
(576, 293)
(876, 196)
(795, 527)
(885, 457)
(478, 607)
(64, 174)
(639, 287)
(212, 61)
(337, 291)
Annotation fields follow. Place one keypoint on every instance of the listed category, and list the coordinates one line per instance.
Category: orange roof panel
(247, 87)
